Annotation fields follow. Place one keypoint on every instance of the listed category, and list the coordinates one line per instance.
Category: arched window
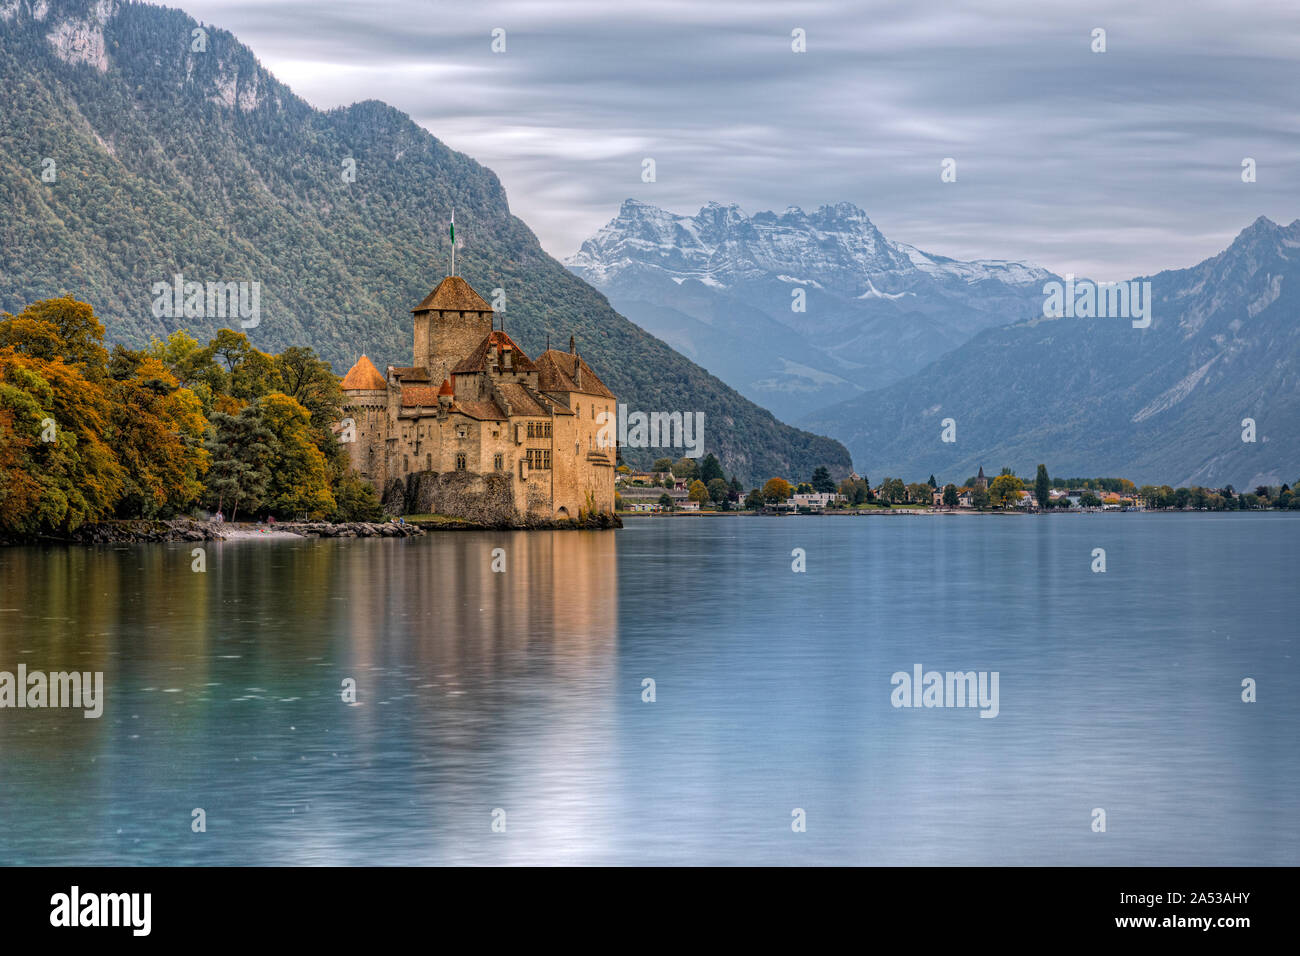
(460, 462)
(428, 462)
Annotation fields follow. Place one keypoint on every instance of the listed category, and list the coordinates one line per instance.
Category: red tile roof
(363, 377)
(453, 294)
(419, 395)
(483, 411)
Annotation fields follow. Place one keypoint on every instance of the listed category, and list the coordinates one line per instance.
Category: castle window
(428, 462)
(460, 462)
(498, 462)
(406, 463)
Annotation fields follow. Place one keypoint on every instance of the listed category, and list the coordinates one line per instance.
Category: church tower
(449, 324)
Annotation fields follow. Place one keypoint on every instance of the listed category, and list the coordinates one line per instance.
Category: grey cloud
(1110, 165)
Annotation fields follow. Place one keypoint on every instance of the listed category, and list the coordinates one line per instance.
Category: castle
(475, 428)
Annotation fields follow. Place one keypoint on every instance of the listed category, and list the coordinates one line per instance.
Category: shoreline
(173, 530)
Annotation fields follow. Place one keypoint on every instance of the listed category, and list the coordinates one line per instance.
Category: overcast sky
(1110, 164)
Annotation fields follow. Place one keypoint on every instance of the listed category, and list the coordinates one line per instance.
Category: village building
(475, 428)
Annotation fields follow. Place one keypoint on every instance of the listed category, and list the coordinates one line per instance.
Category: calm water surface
(523, 691)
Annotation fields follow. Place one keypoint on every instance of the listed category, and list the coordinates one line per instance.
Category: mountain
(1093, 397)
(717, 286)
(133, 149)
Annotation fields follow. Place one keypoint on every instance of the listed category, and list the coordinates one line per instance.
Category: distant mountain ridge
(1095, 396)
(170, 160)
(717, 286)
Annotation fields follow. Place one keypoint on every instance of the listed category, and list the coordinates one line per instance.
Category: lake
(516, 697)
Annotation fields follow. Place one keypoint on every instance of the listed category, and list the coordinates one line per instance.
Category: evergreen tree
(1043, 487)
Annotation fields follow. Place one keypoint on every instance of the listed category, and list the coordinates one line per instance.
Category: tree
(718, 490)
(240, 450)
(710, 469)
(698, 491)
(1089, 500)
(1043, 488)
(776, 489)
(855, 491)
(893, 490)
(311, 382)
(661, 465)
(934, 485)
(1180, 498)
(157, 434)
(666, 501)
(754, 500)
(62, 470)
(1005, 489)
(950, 499)
(979, 499)
(803, 488)
(69, 327)
(920, 493)
(686, 469)
(299, 476)
(821, 481)
(355, 500)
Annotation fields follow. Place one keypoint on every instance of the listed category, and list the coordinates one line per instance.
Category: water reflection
(521, 691)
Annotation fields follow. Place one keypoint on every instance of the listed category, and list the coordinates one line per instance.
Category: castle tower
(449, 324)
(364, 428)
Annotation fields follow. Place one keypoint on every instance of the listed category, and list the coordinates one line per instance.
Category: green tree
(355, 500)
(666, 501)
(718, 490)
(821, 480)
(950, 499)
(662, 465)
(240, 450)
(1043, 488)
(710, 469)
(979, 499)
(1089, 500)
(920, 492)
